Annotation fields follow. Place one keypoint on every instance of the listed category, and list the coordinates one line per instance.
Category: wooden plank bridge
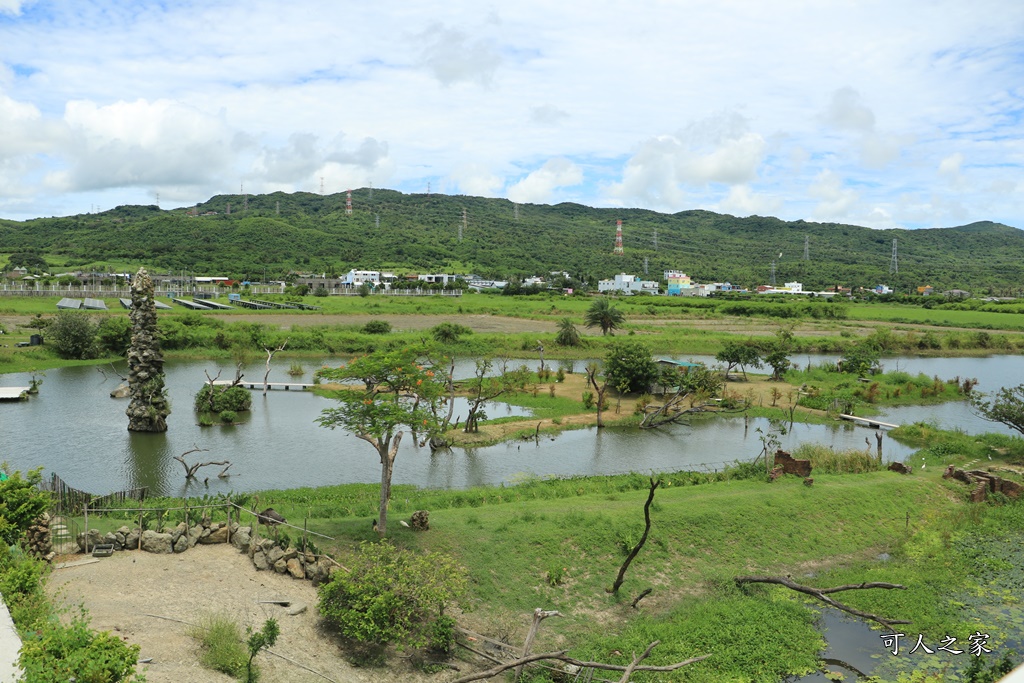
(276, 386)
(13, 393)
(874, 424)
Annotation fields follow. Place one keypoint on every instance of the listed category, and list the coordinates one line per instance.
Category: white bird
(922, 465)
(403, 523)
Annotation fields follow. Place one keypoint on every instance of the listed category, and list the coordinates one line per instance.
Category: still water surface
(74, 428)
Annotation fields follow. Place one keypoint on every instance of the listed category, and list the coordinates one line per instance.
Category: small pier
(874, 424)
(275, 386)
(13, 393)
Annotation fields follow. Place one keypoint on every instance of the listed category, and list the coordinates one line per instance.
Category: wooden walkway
(874, 424)
(13, 393)
(276, 386)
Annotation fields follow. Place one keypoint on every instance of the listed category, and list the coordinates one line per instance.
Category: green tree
(1007, 407)
(629, 367)
(377, 327)
(602, 314)
(21, 502)
(114, 335)
(739, 353)
(568, 335)
(258, 640)
(399, 392)
(449, 333)
(73, 335)
(861, 359)
(483, 388)
(392, 595)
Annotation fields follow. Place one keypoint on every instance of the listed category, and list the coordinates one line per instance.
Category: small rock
(296, 608)
(295, 568)
(259, 559)
(280, 566)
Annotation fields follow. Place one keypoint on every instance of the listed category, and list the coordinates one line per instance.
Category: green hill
(387, 229)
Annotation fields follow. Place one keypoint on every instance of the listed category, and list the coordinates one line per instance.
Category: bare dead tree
(643, 594)
(437, 439)
(190, 470)
(212, 382)
(592, 369)
(270, 357)
(560, 655)
(643, 539)
(113, 370)
(822, 594)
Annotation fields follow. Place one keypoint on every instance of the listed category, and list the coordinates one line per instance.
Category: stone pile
(40, 541)
(266, 554)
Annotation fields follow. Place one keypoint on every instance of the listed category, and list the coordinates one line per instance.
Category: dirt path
(122, 590)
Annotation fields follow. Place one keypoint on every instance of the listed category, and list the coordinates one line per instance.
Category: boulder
(131, 539)
(219, 535)
(290, 553)
(900, 468)
(95, 538)
(153, 542)
(296, 608)
(259, 559)
(177, 532)
(240, 538)
(274, 554)
(295, 568)
(420, 520)
(193, 535)
(122, 391)
(280, 566)
(181, 545)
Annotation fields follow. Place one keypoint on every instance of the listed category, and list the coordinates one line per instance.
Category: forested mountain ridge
(420, 233)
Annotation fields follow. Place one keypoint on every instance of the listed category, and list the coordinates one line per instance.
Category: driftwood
(821, 594)
(643, 539)
(560, 655)
(672, 410)
(190, 470)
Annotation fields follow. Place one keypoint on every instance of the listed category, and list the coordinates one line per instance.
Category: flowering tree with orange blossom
(398, 392)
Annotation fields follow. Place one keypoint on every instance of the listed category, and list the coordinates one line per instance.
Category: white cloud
(13, 6)
(741, 201)
(477, 180)
(834, 200)
(547, 114)
(142, 144)
(453, 56)
(845, 111)
(537, 188)
(714, 150)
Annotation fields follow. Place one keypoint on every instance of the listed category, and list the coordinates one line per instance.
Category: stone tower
(149, 406)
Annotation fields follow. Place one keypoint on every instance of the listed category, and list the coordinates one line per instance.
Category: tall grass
(223, 648)
(826, 460)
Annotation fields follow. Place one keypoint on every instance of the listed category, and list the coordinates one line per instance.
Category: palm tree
(567, 335)
(602, 314)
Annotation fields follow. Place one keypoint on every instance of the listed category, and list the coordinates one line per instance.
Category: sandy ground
(123, 591)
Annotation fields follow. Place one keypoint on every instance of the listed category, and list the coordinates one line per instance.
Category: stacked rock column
(149, 406)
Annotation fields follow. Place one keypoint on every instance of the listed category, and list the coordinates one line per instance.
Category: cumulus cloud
(141, 144)
(950, 166)
(847, 112)
(537, 188)
(834, 199)
(477, 180)
(741, 201)
(452, 56)
(714, 150)
(25, 132)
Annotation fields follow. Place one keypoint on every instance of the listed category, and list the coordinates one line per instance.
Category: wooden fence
(67, 499)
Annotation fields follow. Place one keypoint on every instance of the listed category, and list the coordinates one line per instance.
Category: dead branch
(821, 594)
(113, 370)
(539, 615)
(561, 656)
(643, 539)
(190, 470)
(643, 594)
(270, 357)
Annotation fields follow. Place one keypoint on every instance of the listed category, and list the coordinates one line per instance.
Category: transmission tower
(462, 225)
(371, 190)
(321, 186)
(428, 188)
(348, 203)
(807, 248)
(655, 239)
(277, 208)
(376, 220)
(772, 281)
(158, 200)
(894, 266)
(515, 211)
(645, 265)
(618, 239)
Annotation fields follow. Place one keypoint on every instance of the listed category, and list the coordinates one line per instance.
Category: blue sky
(885, 114)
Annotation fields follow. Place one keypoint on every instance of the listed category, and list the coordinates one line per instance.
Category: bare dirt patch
(121, 591)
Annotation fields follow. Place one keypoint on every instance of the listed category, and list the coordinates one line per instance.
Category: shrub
(73, 335)
(377, 327)
(448, 333)
(629, 366)
(228, 416)
(55, 653)
(391, 595)
(216, 399)
(20, 503)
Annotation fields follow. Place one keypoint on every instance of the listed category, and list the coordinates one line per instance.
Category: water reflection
(73, 428)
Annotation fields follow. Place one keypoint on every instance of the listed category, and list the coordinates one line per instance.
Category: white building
(628, 284)
(355, 278)
(438, 278)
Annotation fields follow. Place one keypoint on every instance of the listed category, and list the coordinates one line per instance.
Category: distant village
(355, 282)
